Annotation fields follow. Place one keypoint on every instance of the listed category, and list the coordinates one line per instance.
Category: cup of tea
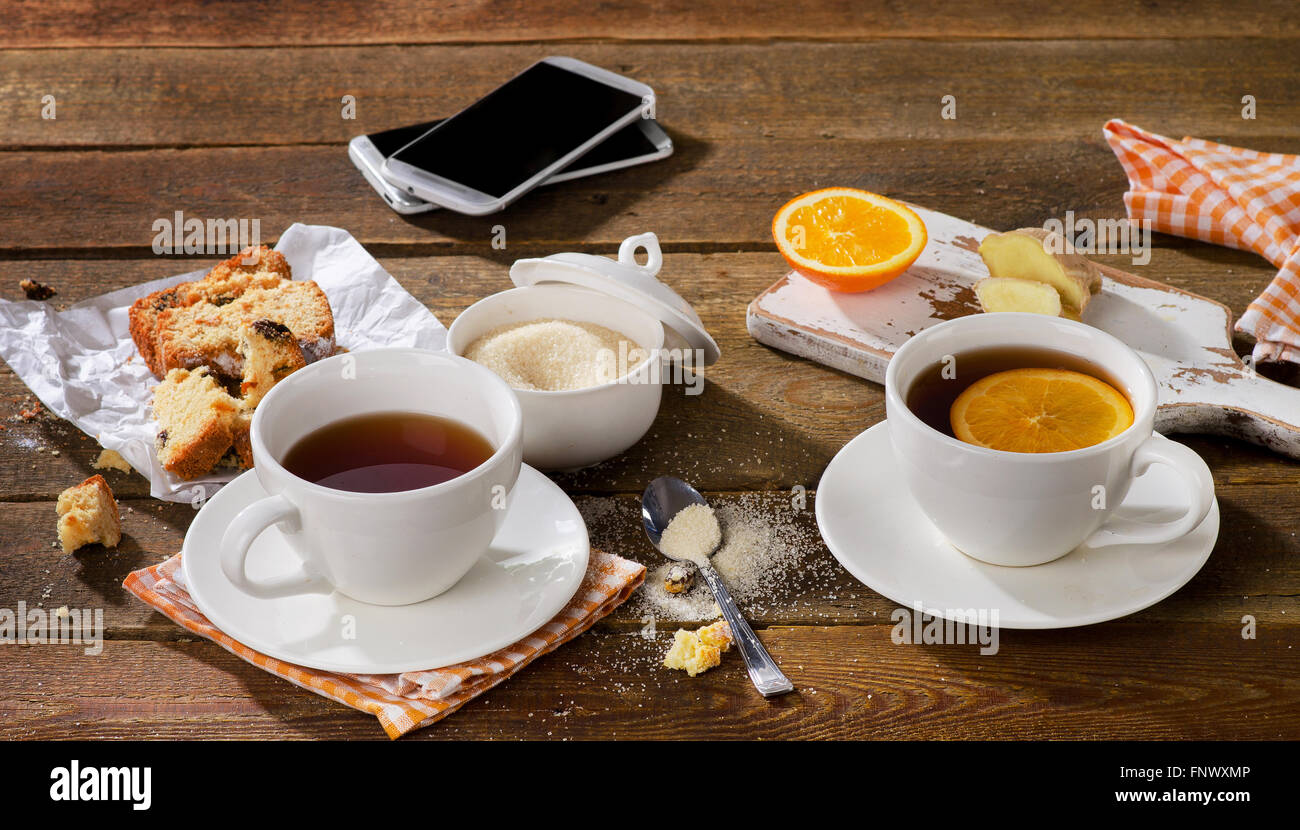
(1027, 508)
(388, 471)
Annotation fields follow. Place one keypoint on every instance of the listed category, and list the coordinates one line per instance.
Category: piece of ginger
(1041, 256)
(1015, 294)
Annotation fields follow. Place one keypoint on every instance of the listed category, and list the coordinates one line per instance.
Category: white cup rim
(1141, 414)
(263, 456)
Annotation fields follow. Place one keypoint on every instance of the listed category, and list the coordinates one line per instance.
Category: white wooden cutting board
(1186, 339)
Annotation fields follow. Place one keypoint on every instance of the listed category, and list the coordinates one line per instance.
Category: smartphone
(518, 136)
(639, 142)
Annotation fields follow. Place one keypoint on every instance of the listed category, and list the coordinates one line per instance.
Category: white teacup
(381, 548)
(1011, 508)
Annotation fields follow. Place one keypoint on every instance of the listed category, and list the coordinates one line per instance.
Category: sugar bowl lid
(629, 281)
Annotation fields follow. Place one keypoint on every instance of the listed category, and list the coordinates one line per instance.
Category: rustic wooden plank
(719, 285)
(771, 420)
(1191, 681)
(706, 197)
(1255, 568)
(121, 22)
(868, 92)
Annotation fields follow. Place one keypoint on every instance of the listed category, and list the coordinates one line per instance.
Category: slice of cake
(196, 422)
(241, 445)
(270, 354)
(88, 514)
(258, 267)
(207, 334)
(698, 651)
(144, 322)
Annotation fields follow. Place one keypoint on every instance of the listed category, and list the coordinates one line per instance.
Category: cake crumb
(88, 514)
(695, 652)
(111, 460)
(678, 579)
(36, 290)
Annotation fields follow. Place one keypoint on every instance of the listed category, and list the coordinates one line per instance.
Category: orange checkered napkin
(411, 700)
(1229, 196)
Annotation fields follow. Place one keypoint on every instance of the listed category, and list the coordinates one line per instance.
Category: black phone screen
(628, 143)
(519, 129)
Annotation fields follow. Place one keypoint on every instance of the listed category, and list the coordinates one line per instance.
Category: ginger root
(1036, 255)
(1015, 294)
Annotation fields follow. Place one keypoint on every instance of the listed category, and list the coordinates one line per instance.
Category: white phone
(640, 142)
(518, 136)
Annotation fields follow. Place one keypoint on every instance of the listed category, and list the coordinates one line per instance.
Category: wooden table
(222, 111)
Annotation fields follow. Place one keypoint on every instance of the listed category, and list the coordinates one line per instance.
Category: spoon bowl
(663, 499)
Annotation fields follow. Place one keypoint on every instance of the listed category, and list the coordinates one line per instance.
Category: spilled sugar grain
(771, 558)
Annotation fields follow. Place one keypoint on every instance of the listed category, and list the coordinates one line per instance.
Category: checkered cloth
(1229, 196)
(411, 700)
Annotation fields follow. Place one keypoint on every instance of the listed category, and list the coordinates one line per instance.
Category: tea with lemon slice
(1020, 399)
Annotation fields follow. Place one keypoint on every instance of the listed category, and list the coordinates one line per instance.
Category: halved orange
(848, 239)
(1039, 410)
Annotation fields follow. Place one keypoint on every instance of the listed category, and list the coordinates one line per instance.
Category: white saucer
(879, 534)
(529, 574)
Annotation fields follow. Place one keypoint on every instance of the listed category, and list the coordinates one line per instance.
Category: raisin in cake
(88, 514)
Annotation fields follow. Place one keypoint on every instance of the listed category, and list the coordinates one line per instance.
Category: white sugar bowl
(577, 428)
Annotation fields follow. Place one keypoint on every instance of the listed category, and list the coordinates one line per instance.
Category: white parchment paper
(84, 367)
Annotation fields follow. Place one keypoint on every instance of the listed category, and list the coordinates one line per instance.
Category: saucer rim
(582, 559)
(892, 593)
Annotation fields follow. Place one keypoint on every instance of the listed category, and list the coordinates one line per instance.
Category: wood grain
(705, 198)
(1027, 90)
(718, 285)
(1192, 681)
(122, 22)
(1255, 568)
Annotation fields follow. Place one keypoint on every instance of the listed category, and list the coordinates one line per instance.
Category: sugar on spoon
(664, 498)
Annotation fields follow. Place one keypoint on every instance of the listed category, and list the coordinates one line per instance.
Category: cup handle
(1197, 481)
(239, 536)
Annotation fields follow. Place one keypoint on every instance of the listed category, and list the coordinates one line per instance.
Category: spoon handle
(763, 670)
